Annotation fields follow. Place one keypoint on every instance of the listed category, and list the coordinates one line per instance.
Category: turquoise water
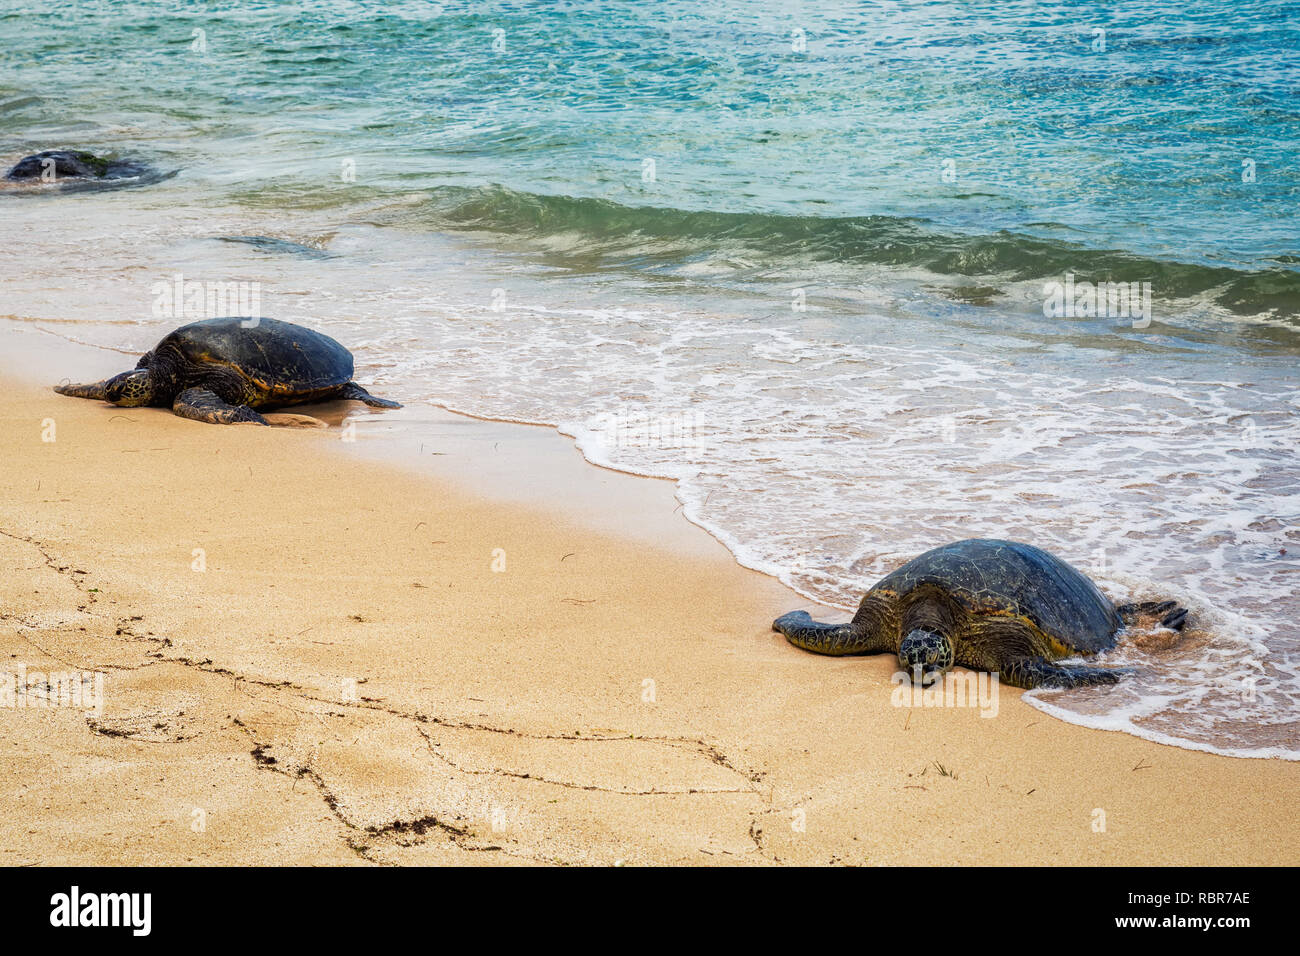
(838, 153)
(794, 256)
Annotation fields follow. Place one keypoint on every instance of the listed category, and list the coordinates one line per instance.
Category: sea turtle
(74, 169)
(989, 605)
(282, 246)
(220, 370)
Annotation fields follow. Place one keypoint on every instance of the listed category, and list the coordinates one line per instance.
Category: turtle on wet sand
(988, 605)
(222, 370)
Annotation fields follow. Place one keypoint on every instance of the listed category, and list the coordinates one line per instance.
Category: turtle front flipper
(802, 631)
(355, 393)
(1030, 672)
(204, 406)
(96, 390)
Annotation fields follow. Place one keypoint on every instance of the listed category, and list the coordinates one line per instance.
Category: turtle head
(130, 389)
(929, 651)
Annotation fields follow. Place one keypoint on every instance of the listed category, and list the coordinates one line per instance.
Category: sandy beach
(487, 651)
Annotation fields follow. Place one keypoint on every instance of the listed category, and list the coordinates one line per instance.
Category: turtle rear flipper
(1175, 619)
(354, 392)
(1030, 672)
(1143, 612)
(202, 405)
(93, 390)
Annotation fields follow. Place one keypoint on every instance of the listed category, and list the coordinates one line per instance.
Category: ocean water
(800, 257)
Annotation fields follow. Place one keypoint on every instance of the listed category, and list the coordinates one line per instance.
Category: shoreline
(349, 679)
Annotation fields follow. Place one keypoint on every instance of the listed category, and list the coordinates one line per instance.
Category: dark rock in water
(84, 170)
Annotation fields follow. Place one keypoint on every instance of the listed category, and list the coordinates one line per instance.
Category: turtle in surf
(989, 605)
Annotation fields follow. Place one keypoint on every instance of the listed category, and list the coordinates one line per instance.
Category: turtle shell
(1007, 579)
(280, 357)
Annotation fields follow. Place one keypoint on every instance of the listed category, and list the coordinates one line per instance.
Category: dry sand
(350, 679)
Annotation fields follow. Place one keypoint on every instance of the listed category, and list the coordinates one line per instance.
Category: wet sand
(453, 641)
